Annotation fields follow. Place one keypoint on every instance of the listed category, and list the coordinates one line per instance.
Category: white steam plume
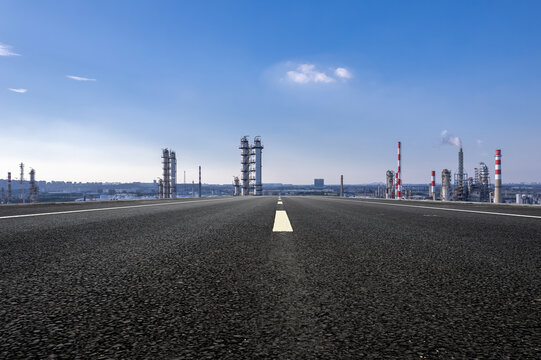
(449, 139)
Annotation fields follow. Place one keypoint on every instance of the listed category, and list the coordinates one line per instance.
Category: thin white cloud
(307, 73)
(343, 73)
(5, 51)
(79, 78)
(20, 91)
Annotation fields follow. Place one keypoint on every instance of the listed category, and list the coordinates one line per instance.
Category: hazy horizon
(93, 90)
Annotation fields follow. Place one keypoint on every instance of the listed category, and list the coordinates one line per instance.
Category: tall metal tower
(21, 191)
(200, 194)
(398, 185)
(173, 172)
(389, 190)
(461, 191)
(33, 187)
(9, 188)
(245, 165)
(498, 176)
(255, 167)
(445, 185)
(236, 184)
(166, 168)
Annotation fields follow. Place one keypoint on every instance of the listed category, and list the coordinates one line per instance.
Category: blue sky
(330, 86)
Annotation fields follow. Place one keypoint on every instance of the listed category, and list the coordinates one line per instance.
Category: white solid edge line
(103, 209)
(449, 209)
(281, 222)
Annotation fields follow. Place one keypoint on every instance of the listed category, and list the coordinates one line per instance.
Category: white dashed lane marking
(281, 222)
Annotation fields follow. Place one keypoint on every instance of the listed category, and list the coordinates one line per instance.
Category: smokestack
(21, 192)
(9, 188)
(460, 164)
(398, 176)
(341, 185)
(498, 177)
(200, 181)
(433, 185)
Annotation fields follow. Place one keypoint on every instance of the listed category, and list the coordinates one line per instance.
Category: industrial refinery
(464, 188)
(446, 185)
(251, 182)
(30, 195)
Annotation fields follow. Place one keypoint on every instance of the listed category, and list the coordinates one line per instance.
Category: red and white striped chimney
(433, 185)
(498, 177)
(398, 177)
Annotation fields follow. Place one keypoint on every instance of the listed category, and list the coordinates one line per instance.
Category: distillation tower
(245, 165)
(33, 187)
(256, 185)
(173, 174)
(389, 188)
(461, 178)
(236, 184)
(167, 186)
(445, 185)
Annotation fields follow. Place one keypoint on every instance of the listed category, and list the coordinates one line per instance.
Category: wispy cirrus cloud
(5, 50)
(20, 91)
(79, 78)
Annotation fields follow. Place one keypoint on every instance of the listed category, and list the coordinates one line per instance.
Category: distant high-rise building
(319, 183)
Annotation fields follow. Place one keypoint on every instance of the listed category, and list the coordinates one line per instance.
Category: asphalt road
(210, 279)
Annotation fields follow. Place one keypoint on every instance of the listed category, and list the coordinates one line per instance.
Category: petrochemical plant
(476, 188)
(457, 186)
(32, 197)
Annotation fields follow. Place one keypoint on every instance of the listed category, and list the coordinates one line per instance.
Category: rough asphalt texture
(209, 279)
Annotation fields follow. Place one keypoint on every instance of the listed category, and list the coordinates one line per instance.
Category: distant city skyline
(93, 90)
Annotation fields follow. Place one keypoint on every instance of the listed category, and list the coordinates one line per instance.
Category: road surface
(210, 278)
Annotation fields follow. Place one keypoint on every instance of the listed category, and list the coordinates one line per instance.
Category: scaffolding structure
(480, 185)
(256, 186)
(245, 165)
(173, 174)
(461, 180)
(168, 188)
